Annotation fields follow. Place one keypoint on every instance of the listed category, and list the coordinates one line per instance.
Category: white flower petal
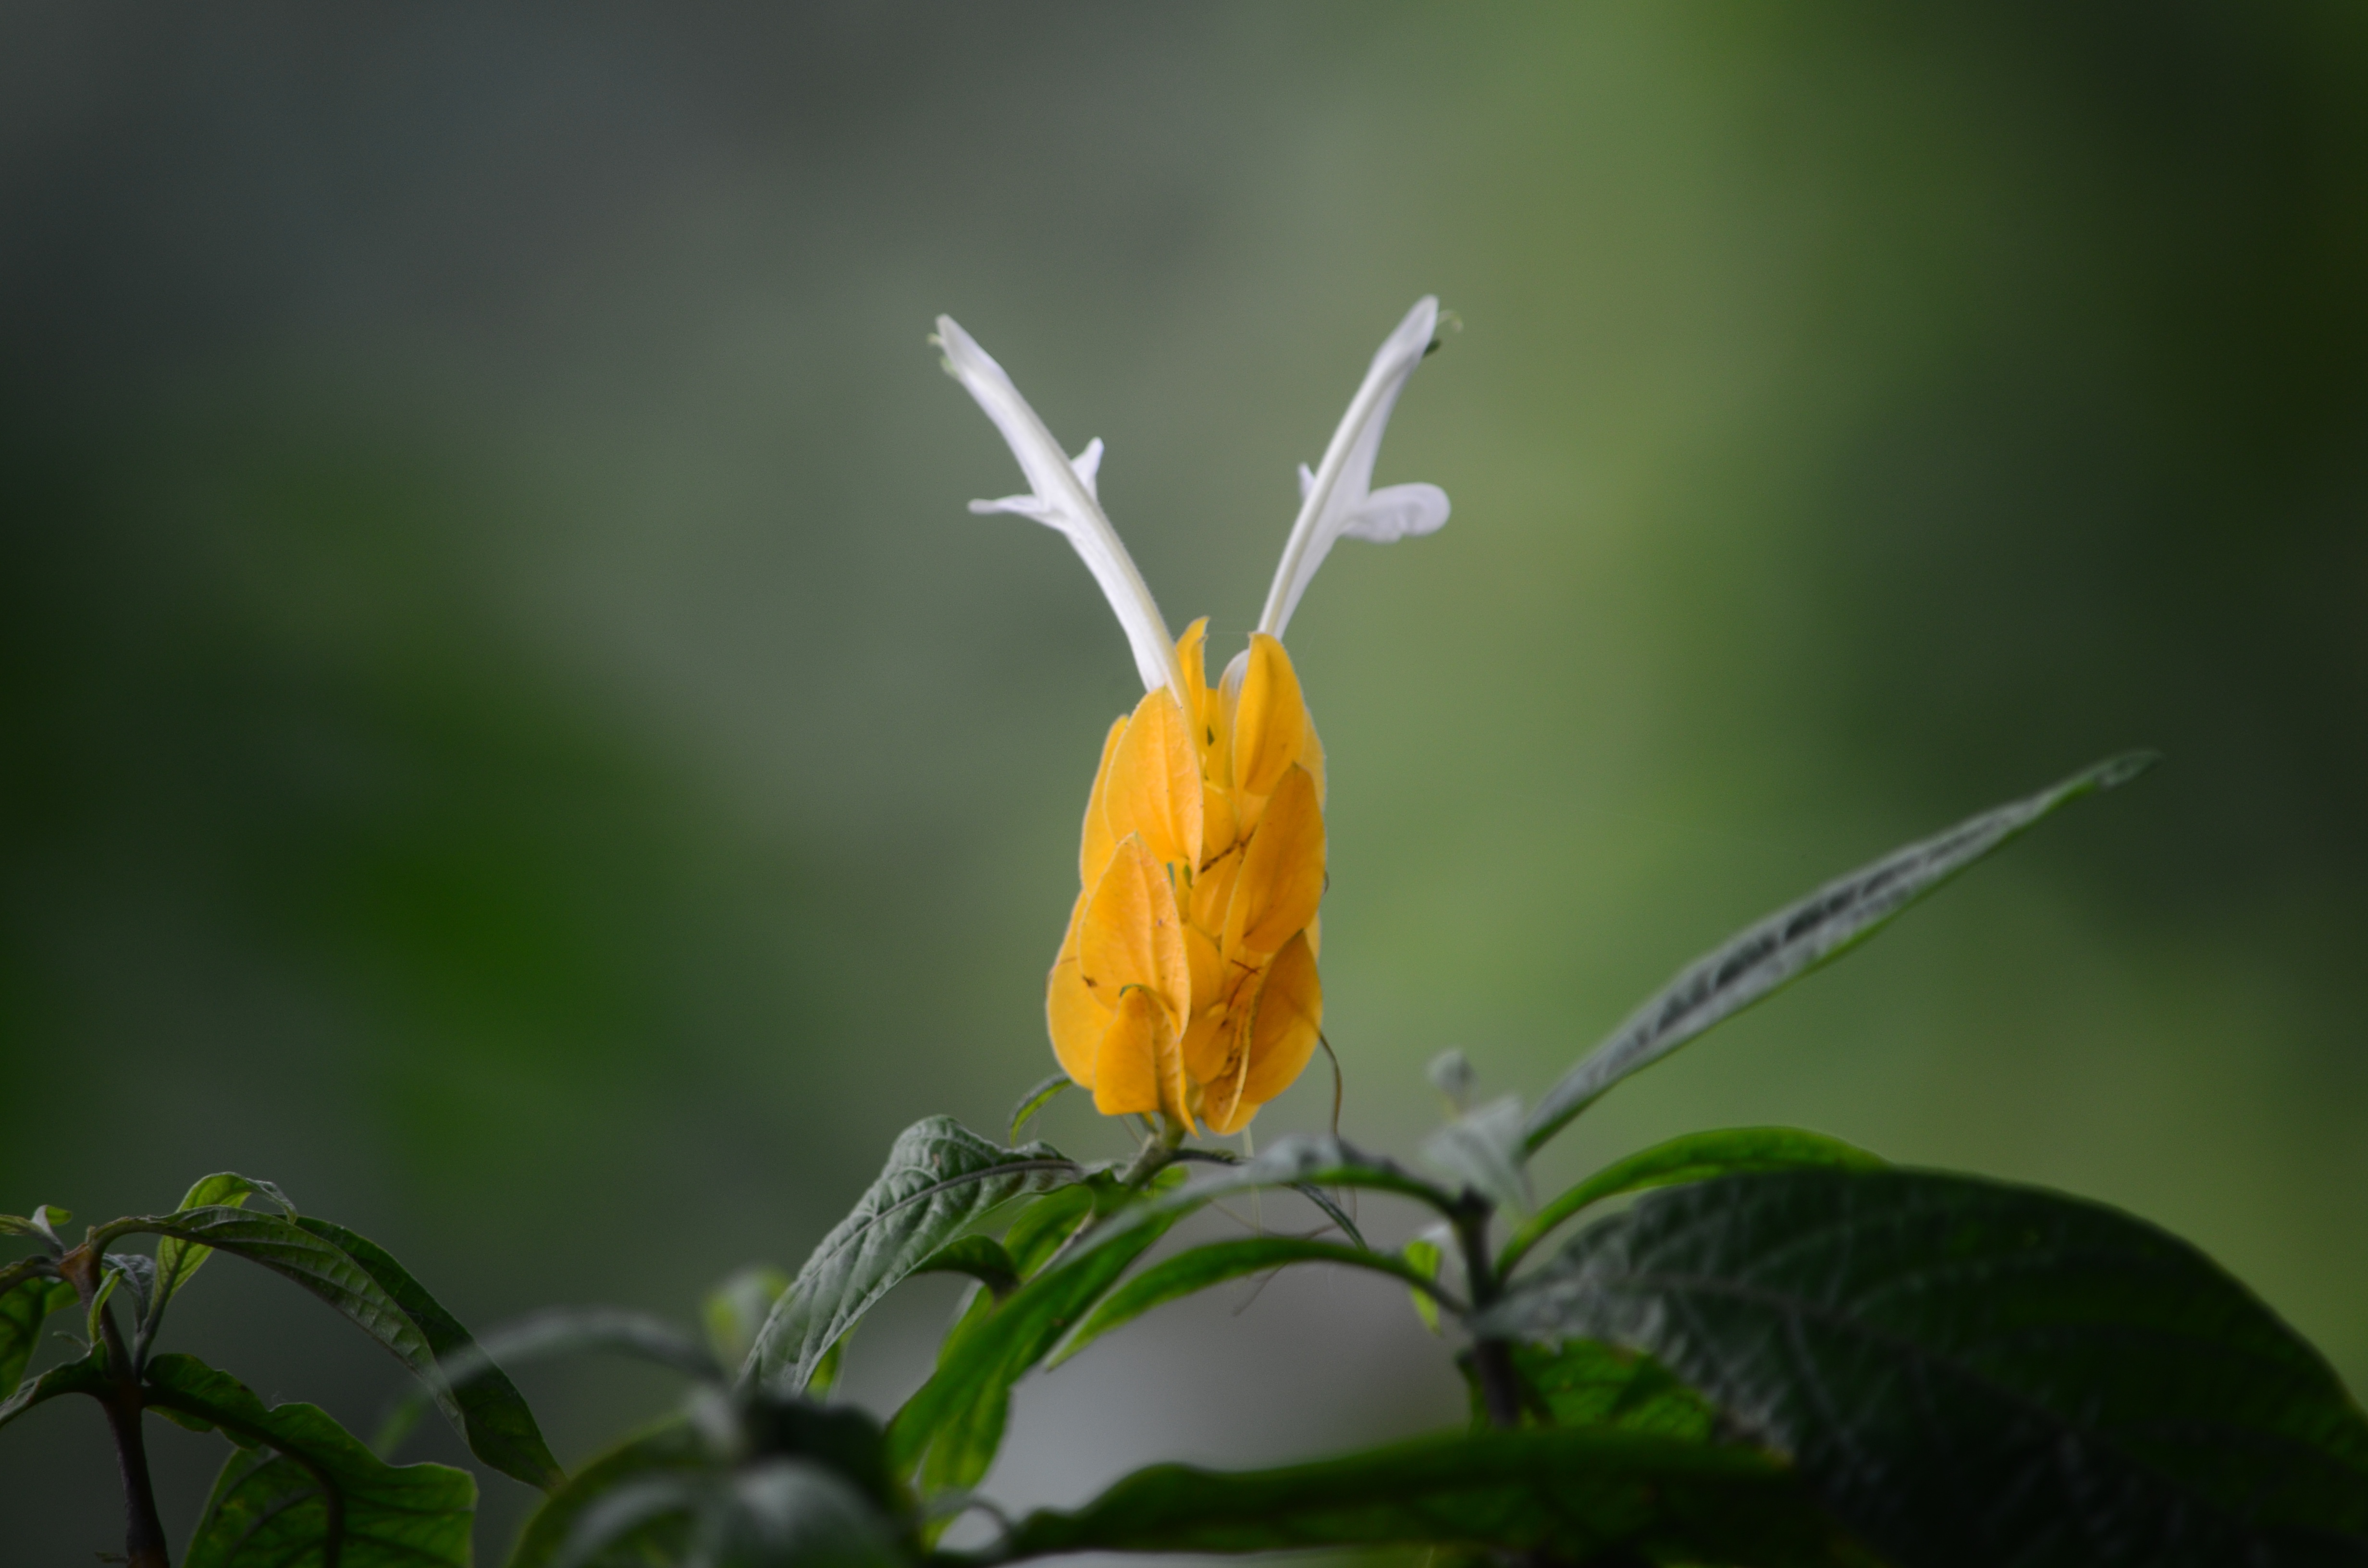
(1064, 498)
(1399, 511)
(1334, 499)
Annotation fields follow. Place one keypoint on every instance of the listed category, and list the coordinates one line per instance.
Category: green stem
(1492, 1359)
(1156, 1154)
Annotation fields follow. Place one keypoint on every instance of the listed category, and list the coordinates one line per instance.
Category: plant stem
(143, 1531)
(1156, 1154)
(1492, 1359)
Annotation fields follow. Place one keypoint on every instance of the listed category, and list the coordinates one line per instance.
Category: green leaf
(1969, 1372)
(492, 1415)
(1201, 1267)
(1585, 1383)
(1036, 1099)
(939, 1179)
(1424, 1256)
(1797, 939)
(1051, 1219)
(85, 1376)
(23, 1310)
(1696, 1156)
(312, 1261)
(981, 1258)
(737, 1308)
(1575, 1494)
(305, 1490)
(670, 1449)
(961, 1405)
(178, 1259)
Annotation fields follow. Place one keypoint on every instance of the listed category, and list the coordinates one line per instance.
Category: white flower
(1337, 499)
(1062, 496)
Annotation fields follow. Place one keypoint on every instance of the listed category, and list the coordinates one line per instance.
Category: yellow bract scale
(1185, 983)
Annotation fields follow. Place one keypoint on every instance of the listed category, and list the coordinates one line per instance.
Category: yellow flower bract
(1185, 983)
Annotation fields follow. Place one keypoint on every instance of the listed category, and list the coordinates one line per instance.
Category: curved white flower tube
(1062, 495)
(1337, 499)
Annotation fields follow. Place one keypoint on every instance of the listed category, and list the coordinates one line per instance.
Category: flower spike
(1337, 498)
(1063, 495)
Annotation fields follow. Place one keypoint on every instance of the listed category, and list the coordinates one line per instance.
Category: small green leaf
(1200, 1268)
(85, 1376)
(1424, 1258)
(1577, 1495)
(304, 1490)
(1696, 1156)
(981, 1258)
(1968, 1372)
(737, 1308)
(939, 1179)
(670, 1449)
(23, 1310)
(1036, 1099)
(492, 1414)
(1803, 937)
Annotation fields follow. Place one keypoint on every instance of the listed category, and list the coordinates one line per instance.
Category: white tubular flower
(1337, 499)
(1062, 495)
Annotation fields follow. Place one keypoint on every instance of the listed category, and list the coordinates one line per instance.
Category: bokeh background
(509, 732)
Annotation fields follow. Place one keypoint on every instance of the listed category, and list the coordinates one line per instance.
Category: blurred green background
(510, 733)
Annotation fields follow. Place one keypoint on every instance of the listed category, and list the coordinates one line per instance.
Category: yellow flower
(1185, 983)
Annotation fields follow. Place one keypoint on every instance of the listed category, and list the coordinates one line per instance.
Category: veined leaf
(85, 1376)
(303, 1490)
(493, 1415)
(1794, 940)
(939, 1179)
(1050, 1221)
(1585, 1383)
(178, 1259)
(1973, 1373)
(1216, 1262)
(1576, 1495)
(26, 1305)
(1694, 1157)
(670, 1449)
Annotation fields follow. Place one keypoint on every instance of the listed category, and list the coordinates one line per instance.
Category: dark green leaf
(23, 1311)
(1585, 1383)
(981, 1258)
(303, 1491)
(737, 1309)
(961, 1405)
(41, 1224)
(492, 1415)
(1201, 1267)
(1696, 1156)
(1794, 940)
(1576, 1495)
(784, 1512)
(1051, 1219)
(285, 1247)
(178, 1259)
(941, 1178)
(1034, 1100)
(1973, 1373)
(85, 1376)
(671, 1448)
